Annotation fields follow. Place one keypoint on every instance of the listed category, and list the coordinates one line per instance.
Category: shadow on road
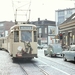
(23, 61)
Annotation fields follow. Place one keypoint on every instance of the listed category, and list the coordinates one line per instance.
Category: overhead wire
(18, 8)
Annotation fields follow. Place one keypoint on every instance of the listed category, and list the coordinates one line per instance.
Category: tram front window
(26, 36)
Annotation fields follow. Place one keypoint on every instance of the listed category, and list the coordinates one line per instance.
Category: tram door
(11, 43)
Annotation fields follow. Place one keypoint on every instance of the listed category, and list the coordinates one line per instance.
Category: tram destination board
(25, 27)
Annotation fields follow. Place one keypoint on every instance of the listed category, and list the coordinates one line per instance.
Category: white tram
(1, 42)
(21, 41)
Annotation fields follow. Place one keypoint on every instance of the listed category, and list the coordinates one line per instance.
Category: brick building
(4, 27)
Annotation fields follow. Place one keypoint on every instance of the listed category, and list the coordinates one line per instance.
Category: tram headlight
(19, 53)
(19, 48)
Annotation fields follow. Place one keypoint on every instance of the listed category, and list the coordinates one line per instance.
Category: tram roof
(15, 26)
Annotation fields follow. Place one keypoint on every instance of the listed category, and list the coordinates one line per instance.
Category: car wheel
(61, 55)
(50, 55)
(64, 58)
(45, 54)
(74, 58)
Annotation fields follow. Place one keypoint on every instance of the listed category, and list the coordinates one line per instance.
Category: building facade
(4, 27)
(62, 15)
(46, 30)
(67, 28)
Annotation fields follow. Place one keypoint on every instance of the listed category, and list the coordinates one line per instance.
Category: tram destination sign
(26, 27)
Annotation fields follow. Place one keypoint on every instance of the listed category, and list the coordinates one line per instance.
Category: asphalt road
(42, 65)
(56, 65)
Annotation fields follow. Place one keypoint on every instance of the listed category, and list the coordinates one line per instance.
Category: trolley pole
(16, 17)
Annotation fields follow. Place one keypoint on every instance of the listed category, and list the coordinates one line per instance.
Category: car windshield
(57, 46)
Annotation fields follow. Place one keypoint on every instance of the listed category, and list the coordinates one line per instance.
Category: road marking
(58, 62)
(41, 68)
(42, 62)
(54, 67)
(43, 65)
(60, 70)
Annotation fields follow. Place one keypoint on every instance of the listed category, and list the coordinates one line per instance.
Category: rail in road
(56, 66)
(32, 69)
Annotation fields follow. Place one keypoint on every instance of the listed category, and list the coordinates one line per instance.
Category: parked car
(69, 54)
(39, 46)
(42, 46)
(53, 50)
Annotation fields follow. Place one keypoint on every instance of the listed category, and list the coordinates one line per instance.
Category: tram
(1, 42)
(21, 41)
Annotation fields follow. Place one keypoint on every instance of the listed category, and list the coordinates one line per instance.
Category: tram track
(64, 68)
(24, 71)
(37, 70)
(42, 70)
(63, 64)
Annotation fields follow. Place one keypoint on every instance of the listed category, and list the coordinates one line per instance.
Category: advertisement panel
(51, 30)
(50, 39)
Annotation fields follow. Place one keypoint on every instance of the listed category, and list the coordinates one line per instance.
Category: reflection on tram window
(26, 36)
(16, 36)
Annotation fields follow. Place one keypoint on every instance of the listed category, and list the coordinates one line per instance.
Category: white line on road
(60, 70)
(54, 67)
(51, 59)
(42, 62)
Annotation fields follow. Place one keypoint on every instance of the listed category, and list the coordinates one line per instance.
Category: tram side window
(3, 41)
(35, 36)
(16, 36)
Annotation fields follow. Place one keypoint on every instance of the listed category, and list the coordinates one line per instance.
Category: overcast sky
(43, 9)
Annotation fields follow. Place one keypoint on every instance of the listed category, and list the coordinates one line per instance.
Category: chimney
(38, 19)
(45, 19)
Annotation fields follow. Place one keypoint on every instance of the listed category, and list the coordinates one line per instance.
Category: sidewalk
(7, 67)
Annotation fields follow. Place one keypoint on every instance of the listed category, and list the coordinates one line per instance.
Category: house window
(69, 11)
(40, 30)
(35, 36)
(45, 30)
(60, 13)
(1, 24)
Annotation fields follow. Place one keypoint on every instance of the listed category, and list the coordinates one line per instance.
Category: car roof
(55, 44)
